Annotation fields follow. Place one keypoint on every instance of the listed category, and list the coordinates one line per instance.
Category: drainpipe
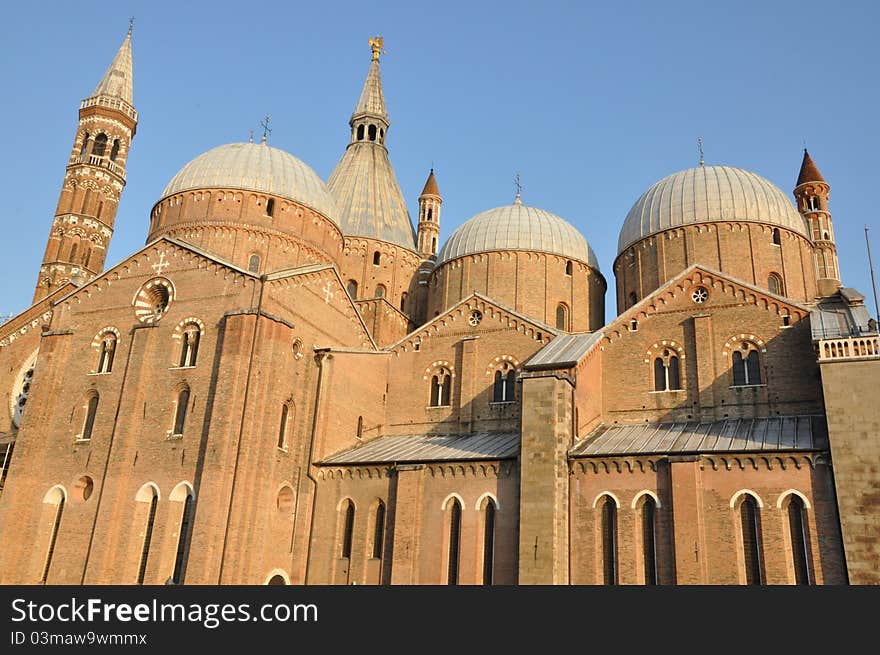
(320, 355)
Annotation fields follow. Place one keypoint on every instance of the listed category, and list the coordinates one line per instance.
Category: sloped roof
(564, 351)
(432, 448)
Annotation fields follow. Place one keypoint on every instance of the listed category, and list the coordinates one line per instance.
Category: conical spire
(117, 81)
(372, 100)
(431, 188)
(809, 171)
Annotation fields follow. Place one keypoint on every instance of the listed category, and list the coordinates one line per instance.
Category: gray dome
(255, 167)
(706, 194)
(518, 227)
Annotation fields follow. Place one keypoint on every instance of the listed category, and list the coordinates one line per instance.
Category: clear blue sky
(591, 102)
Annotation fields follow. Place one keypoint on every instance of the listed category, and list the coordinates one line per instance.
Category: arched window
(54, 497)
(667, 372)
(189, 350)
(434, 245)
(276, 580)
(114, 151)
(282, 428)
(430, 214)
(440, 388)
(561, 317)
(377, 258)
(360, 133)
(183, 539)
(488, 541)
(360, 427)
(148, 537)
(108, 350)
(746, 365)
(347, 530)
(798, 532)
(609, 540)
(568, 268)
(254, 263)
(454, 542)
(180, 412)
(379, 531)
(403, 297)
(270, 207)
(774, 284)
(633, 298)
(352, 288)
(649, 539)
(371, 132)
(380, 291)
(777, 239)
(85, 145)
(91, 412)
(751, 539)
(504, 387)
(73, 249)
(100, 145)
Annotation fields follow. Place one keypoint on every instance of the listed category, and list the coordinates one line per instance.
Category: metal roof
(255, 167)
(780, 433)
(706, 194)
(432, 448)
(836, 318)
(564, 351)
(518, 227)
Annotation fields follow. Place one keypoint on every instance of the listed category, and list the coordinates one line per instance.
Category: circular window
(153, 300)
(700, 295)
(475, 318)
(21, 389)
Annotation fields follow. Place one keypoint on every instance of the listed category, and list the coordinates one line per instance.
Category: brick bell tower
(811, 194)
(429, 217)
(93, 182)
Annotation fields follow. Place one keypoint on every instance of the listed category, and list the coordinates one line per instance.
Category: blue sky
(590, 102)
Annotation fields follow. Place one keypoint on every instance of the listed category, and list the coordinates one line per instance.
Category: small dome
(255, 167)
(518, 227)
(707, 194)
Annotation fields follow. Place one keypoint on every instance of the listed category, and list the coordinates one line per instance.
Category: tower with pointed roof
(811, 193)
(93, 183)
(429, 217)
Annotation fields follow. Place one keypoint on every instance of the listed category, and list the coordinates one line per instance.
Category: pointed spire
(431, 188)
(372, 100)
(117, 81)
(809, 171)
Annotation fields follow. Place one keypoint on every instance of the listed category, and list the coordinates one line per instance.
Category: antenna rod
(873, 279)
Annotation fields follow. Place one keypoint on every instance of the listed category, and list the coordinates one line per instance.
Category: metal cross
(266, 129)
(130, 25)
(700, 148)
(518, 185)
(328, 294)
(161, 264)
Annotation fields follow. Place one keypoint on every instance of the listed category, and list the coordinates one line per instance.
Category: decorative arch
(487, 496)
(602, 495)
(792, 492)
(733, 342)
(642, 494)
(277, 573)
(146, 493)
(56, 495)
(446, 500)
(181, 491)
(734, 500)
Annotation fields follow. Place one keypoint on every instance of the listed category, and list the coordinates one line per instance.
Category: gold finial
(376, 46)
(700, 148)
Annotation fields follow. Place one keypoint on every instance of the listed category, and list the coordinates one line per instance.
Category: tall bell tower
(93, 182)
(811, 193)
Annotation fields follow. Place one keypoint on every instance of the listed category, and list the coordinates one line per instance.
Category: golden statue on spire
(376, 45)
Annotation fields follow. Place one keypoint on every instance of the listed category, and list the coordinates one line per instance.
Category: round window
(475, 318)
(700, 295)
(153, 300)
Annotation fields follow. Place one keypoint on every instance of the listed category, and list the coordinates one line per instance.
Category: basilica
(296, 382)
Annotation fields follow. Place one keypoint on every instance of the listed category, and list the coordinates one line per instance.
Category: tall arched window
(649, 539)
(380, 291)
(91, 413)
(403, 297)
(667, 372)
(360, 427)
(360, 133)
(751, 539)
(377, 258)
(488, 541)
(183, 539)
(85, 145)
(798, 532)
(282, 428)
(454, 542)
(746, 365)
(270, 207)
(561, 317)
(441, 382)
(379, 531)
(347, 530)
(108, 350)
(180, 412)
(254, 263)
(774, 284)
(609, 541)
(148, 537)
(371, 132)
(189, 350)
(352, 288)
(100, 145)
(114, 151)
(568, 268)
(54, 497)
(777, 239)
(504, 386)
(73, 250)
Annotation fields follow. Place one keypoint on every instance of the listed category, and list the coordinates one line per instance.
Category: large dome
(518, 227)
(707, 194)
(255, 167)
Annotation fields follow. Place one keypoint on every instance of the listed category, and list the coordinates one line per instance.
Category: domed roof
(255, 167)
(706, 194)
(518, 227)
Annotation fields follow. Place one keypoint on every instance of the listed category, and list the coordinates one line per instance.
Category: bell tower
(811, 194)
(429, 217)
(93, 181)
